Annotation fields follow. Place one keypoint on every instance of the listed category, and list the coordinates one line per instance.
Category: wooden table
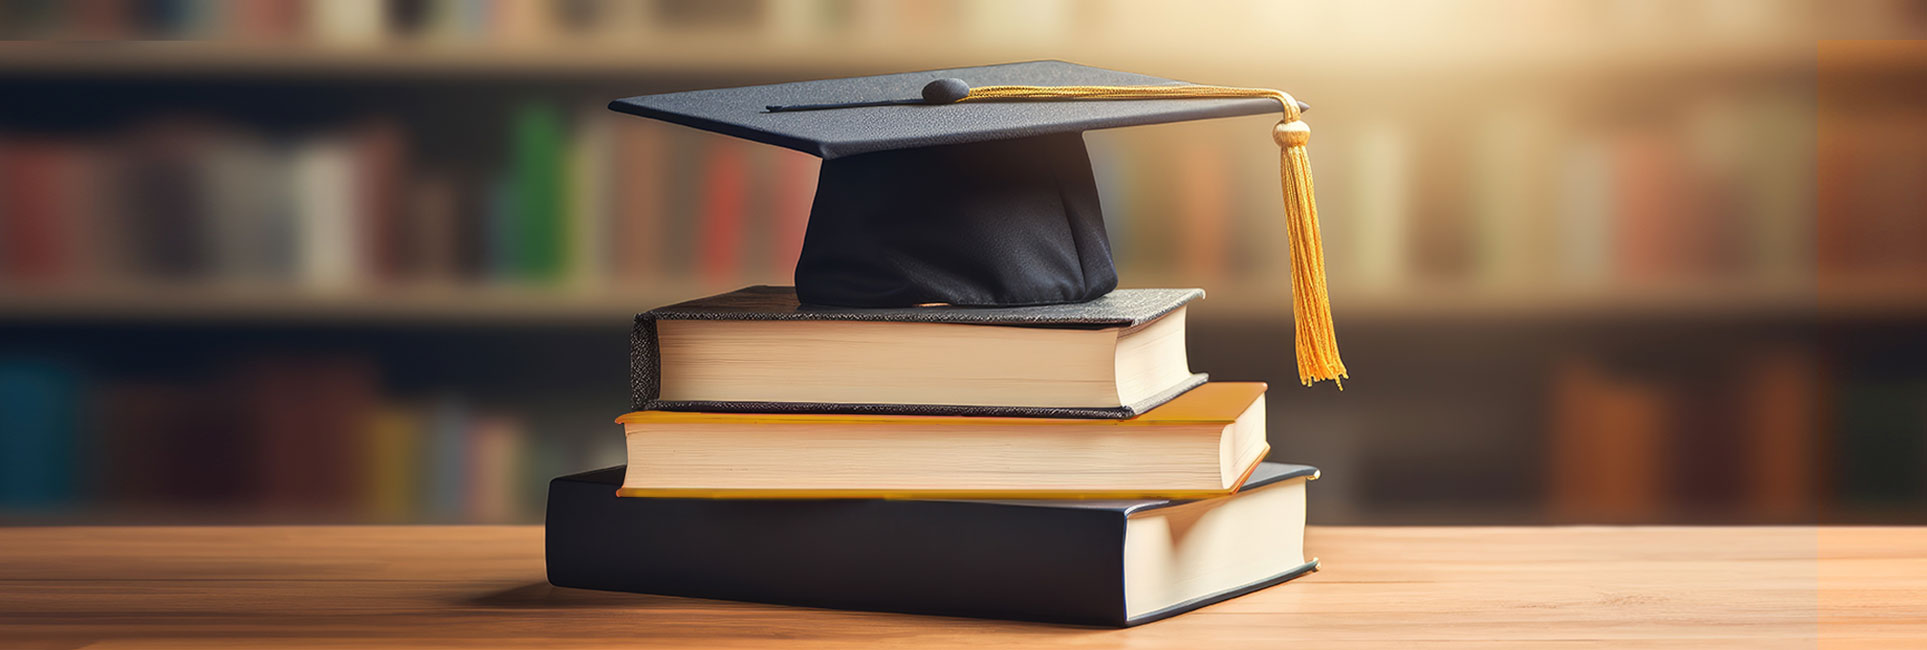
(472, 587)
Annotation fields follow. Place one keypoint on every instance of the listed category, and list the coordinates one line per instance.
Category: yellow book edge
(778, 493)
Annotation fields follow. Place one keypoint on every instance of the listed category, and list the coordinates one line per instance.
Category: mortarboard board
(972, 186)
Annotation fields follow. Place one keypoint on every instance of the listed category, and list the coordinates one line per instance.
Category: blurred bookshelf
(714, 56)
(1572, 244)
(1869, 301)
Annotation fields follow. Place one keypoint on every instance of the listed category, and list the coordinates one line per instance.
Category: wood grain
(473, 587)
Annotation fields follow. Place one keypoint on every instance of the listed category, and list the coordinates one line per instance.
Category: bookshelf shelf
(752, 54)
(538, 305)
(1680, 302)
(1859, 301)
(426, 305)
(376, 61)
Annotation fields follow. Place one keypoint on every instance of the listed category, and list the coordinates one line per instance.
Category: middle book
(1200, 445)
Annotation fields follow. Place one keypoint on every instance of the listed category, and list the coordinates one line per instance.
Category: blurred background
(374, 261)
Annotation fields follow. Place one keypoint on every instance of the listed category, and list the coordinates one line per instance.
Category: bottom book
(1109, 563)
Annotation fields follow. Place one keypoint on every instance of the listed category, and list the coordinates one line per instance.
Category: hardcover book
(1199, 445)
(759, 350)
(1107, 563)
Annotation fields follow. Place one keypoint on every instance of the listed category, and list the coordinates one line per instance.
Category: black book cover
(1052, 561)
(1121, 308)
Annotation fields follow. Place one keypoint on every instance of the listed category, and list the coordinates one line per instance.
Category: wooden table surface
(473, 587)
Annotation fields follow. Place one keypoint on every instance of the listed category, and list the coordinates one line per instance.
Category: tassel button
(1291, 134)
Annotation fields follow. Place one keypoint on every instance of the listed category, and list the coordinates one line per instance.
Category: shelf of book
(468, 305)
(1867, 302)
(749, 55)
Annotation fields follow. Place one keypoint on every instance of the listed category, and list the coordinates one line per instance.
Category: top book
(759, 350)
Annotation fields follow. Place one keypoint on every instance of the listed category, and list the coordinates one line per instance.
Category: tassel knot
(1291, 134)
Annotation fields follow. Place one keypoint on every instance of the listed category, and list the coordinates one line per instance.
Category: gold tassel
(1311, 312)
(1316, 341)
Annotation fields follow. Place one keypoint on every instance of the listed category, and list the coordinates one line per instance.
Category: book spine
(1781, 416)
(391, 448)
(681, 207)
(1608, 449)
(588, 208)
(494, 442)
(380, 151)
(536, 204)
(324, 215)
(41, 402)
(1585, 230)
(1206, 215)
(720, 240)
(1383, 207)
(432, 231)
(637, 183)
(757, 227)
(444, 461)
(31, 242)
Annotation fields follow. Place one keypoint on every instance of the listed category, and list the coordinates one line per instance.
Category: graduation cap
(972, 186)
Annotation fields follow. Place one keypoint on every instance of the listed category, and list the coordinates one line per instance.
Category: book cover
(1120, 308)
(1058, 561)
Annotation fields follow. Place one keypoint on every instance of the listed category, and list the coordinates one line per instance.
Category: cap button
(945, 91)
(1288, 134)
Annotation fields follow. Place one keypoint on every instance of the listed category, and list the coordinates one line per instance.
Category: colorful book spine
(41, 403)
(390, 465)
(1383, 207)
(326, 223)
(588, 205)
(1608, 462)
(494, 447)
(379, 150)
(719, 241)
(1205, 212)
(33, 237)
(537, 237)
(444, 467)
(639, 200)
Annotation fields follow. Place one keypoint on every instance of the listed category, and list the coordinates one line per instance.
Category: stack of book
(1057, 463)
